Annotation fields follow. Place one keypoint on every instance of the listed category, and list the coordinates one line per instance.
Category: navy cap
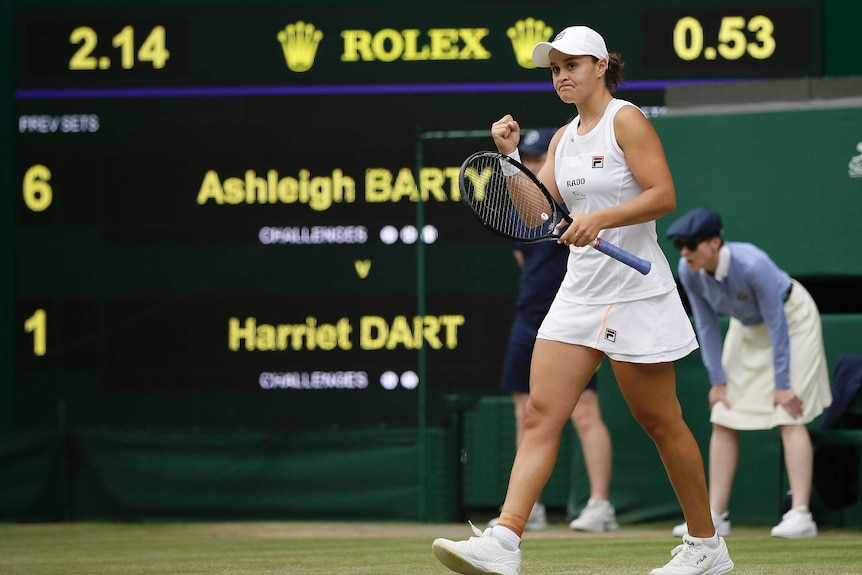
(697, 223)
(536, 142)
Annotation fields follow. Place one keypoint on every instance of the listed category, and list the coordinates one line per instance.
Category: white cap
(573, 41)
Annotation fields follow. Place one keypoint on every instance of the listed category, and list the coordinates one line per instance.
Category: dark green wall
(157, 476)
(780, 180)
(842, 40)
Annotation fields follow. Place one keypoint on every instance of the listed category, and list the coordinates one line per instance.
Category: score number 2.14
(733, 44)
(153, 49)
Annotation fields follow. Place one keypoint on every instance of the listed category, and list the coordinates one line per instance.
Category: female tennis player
(609, 168)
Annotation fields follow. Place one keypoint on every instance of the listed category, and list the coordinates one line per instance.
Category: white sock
(711, 542)
(507, 538)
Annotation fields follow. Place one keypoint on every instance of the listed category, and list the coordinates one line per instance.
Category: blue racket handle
(621, 255)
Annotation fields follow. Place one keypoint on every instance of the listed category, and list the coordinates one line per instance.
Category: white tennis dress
(603, 303)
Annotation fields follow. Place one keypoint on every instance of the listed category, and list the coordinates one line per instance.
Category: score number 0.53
(688, 38)
(770, 41)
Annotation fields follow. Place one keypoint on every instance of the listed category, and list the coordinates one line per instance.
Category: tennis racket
(510, 201)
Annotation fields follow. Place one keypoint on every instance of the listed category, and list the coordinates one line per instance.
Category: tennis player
(543, 266)
(772, 370)
(609, 168)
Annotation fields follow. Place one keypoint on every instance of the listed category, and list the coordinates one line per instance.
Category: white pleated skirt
(652, 330)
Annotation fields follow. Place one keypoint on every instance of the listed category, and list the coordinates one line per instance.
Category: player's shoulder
(619, 106)
(628, 119)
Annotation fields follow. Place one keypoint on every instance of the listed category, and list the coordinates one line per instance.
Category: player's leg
(650, 391)
(723, 458)
(558, 375)
(538, 519)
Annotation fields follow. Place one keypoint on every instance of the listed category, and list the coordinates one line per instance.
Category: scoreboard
(231, 214)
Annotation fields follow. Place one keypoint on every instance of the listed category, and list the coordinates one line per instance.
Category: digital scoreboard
(228, 215)
(762, 41)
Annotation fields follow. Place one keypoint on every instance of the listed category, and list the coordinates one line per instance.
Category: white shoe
(537, 521)
(695, 558)
(721, 522)
(597, 517)
(479, 555)
(796, 524)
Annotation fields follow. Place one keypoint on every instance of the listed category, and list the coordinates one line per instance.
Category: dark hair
(614, 74)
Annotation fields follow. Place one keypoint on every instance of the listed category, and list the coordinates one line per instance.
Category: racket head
(507, 198)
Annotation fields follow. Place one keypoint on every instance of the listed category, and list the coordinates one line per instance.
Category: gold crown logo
(525, 34)
(299, 43)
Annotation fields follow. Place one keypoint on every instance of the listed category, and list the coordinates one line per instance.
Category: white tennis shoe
(597, 517)
(479, 555)
(797, 523)
(692, 557)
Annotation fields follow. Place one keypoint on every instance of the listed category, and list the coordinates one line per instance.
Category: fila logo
(598, 161)
(610, 334)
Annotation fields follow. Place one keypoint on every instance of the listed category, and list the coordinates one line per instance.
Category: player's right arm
(507, 134)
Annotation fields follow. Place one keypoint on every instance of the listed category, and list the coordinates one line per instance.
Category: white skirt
(652, 330)
(747, 362)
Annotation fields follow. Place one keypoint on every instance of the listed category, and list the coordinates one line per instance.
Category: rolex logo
(299, 42)
(525, 34)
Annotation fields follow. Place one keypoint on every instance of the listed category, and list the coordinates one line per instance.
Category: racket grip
(621, 255)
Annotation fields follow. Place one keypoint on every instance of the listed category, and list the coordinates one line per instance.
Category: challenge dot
(409, 380)
(388, 235)
(389, 380)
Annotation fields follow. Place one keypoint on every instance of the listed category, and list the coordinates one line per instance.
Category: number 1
(37, 325)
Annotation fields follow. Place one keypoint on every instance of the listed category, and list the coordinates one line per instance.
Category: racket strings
(509, 203)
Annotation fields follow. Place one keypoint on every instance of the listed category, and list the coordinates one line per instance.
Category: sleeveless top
(592, 174)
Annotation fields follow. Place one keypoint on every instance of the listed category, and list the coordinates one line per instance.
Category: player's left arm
(646, 159)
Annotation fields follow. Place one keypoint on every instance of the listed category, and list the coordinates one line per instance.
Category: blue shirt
(753, 292)
(543, 271)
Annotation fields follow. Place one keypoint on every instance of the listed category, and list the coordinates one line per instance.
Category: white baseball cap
(573, 41)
